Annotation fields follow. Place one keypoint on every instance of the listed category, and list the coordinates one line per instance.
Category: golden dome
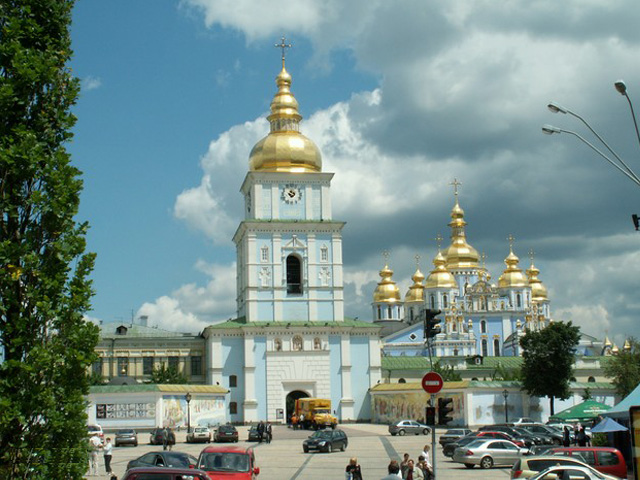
(607, 342)
(285, 149)
(512, 276)
(387, 290)
(416, 291)
(459, 254)
(538, 290)
(440, 277)
(615, 349)
(627, 345)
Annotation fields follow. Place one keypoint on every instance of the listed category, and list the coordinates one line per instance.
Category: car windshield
(125, 432)
(227, 429)
(322, 410)
(224, 462)
(201, 429)
(321, 434)
(179, 460)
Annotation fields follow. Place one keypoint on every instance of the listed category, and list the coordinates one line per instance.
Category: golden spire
(285, 149)
(416, 291)
(512, 276)
(387, 290)
(459, 254)
(538, 290)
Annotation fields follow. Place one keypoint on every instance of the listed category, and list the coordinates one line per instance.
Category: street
(284, 458)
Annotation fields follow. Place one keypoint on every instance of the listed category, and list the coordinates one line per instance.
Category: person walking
(582, 438)
(566, 437)
(353, 470)
(94, 444)
(404, 465)
(393, 470)
(107, 452)
(269, 432)
(165, 438)
(260, 431)
(413, 472)
(427, 466)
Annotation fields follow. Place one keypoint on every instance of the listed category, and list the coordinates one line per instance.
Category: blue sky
(401, 99)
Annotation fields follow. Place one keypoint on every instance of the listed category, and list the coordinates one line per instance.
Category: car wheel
(556, 441)
(135, 444)
(426, 431)
(401, 432)
(329, 448)
(306, 449)
(343, 447)
(486, 462)
(469, 465)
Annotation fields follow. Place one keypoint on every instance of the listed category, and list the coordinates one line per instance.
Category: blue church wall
(335, 375)
(233, 364)
(316, 204)
(266, 204)
(360, 377)
(293, 212)
(325, 311)
(295, 310)
(260, 355)
(265, 311)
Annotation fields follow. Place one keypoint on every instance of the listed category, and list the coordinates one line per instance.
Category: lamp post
(187, 397)
(505, 394)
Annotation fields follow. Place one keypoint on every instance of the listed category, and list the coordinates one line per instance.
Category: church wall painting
(204, 411)
(392, 407)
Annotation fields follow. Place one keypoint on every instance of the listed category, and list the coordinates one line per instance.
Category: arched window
(496, 347)
(294, 275)
(411, 315)
(518, 300)
(484, 348)
(444, 301)
(483, 326)
(233, 408)
(379, 312)
(233, 381)
(324, 254)
(297, 343)
(389, 314)
(454, 326)
(455, 352)
(402, 380)
(432, 301)
(591, 380)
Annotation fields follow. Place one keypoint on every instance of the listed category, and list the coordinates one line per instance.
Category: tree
(45, 342)
(167, 375)
(624, 369)
(447, 372)
(548, 358)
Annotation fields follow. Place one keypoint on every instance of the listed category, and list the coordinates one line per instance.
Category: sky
(401, 98)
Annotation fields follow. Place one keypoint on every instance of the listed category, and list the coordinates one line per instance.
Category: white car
(199, 434)
(565, 472)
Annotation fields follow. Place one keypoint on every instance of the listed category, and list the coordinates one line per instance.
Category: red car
(230, 463)
(604, 459)
(157, 473)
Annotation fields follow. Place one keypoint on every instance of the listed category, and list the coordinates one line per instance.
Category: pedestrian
(301, 421)
(165, 437)
(294, 421)
(107, 452)
(353, 471)
(94, 444)
(576, 430)
(426, 453)
(260, 431)
(413, 472)
(404, 465)
(426, 469)
(582, 438)
(393, 471)
(269, 431)
(566, 437)
(172, 439)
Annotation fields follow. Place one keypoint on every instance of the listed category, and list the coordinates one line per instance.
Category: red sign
(432, 382)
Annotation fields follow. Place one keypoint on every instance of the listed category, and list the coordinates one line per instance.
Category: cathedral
(290, 338)
(479, 318)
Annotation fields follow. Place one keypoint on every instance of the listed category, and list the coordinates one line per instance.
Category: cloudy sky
(401, 98)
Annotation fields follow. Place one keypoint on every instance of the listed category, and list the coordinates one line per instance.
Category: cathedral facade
(290, 338)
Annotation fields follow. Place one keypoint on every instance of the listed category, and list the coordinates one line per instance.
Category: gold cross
(283, 45)
(417, 257)
(386, 254)
(455, 184)
(531, 255)
(511, 239)
(438, 240)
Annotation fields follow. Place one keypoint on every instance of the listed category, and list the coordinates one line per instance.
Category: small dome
(387, 290)
(416, 291)
(627, 345)
(459, 254)
(538, 290)
(512, 277)
(285, 149)
(607, 342)
(440, 277)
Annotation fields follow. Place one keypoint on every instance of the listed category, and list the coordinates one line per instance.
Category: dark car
(453, 434)
(449, 448)
(158, 473)
(229, 463)
(501, 436)
(326, 441)
(554, 434)
(254, 436)
(226, 433)
(126, 437)
(164, 458)
(528, 440)
(155, 437)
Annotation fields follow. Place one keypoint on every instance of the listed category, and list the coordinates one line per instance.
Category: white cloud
(91, 83)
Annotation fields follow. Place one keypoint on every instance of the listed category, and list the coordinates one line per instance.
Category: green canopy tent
(582, 412)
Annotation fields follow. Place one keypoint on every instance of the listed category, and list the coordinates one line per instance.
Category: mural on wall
(204, 411)
(388, 408)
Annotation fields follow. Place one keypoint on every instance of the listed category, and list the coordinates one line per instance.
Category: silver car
(199, 434)
(409, 426)
(488, 452)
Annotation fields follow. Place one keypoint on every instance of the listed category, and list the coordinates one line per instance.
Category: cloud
(91, 83)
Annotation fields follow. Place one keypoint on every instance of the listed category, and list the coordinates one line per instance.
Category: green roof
(420, 363)
(152, 387)
(109, 330)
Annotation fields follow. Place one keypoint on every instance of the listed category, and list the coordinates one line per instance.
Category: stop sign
(432, 382)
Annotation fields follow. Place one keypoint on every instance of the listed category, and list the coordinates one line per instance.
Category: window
(233, 408)
(483, 326)
(389, 313)
(496, 347)
(174, 362)
(233, 381)
(317, 344)
(444, 301)
(294, 275)
(96, 368)
(264, 254)
(123, 366)
(411, 315)
(485, 350)
(455, 352)
(379, 312)
(518, 300)
(324, 254)
(432, 301)
(147, 365)
(606, 459)
(591, 380)
(402, 380)
(196, 365)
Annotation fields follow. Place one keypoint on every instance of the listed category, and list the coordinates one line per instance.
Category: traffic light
(636, 221)
(431, 324)
(445, 407)
(431, 416)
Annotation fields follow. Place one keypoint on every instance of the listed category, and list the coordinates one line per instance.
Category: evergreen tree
(548, 357)
(169, 375)
(624, 369)
(46, 346)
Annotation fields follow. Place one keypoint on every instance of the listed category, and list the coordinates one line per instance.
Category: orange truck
(315, 413)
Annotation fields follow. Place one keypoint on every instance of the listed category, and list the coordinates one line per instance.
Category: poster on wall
(203, 411)
(125, 410)
(410, 406)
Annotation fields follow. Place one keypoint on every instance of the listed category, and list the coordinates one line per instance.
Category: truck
(315, 412)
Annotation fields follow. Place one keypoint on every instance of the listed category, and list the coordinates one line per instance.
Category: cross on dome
(455, 184)
(283, 45)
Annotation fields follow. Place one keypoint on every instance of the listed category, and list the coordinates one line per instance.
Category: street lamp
(622, 89)
(187, 397)
(505, 394)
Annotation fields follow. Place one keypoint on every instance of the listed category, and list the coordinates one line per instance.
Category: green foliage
(96, 379)
(45, 340)
(167, 375)
(506, 374)
(599, 440)
(447, 372)
(624, 369)
(548, 358)
(587, 395)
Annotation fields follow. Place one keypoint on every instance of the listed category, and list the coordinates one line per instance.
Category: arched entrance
(291, 401)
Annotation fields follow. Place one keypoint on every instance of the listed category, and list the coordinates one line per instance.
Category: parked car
(164, 458)
(155, 438)
(409, 426)
(326, 441)
(528, 467)
(95, 430)
(232, 463)
(449, 448)
(253, 435)
(539, 438)
(501, 436)
(526, 438)
(452, 435)
(488, 453)
(568, 473)
(145, 473)
(523, 420)
(536, 428)
(126, 437)
(604, 459)
(226, 433)
(199, 434)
